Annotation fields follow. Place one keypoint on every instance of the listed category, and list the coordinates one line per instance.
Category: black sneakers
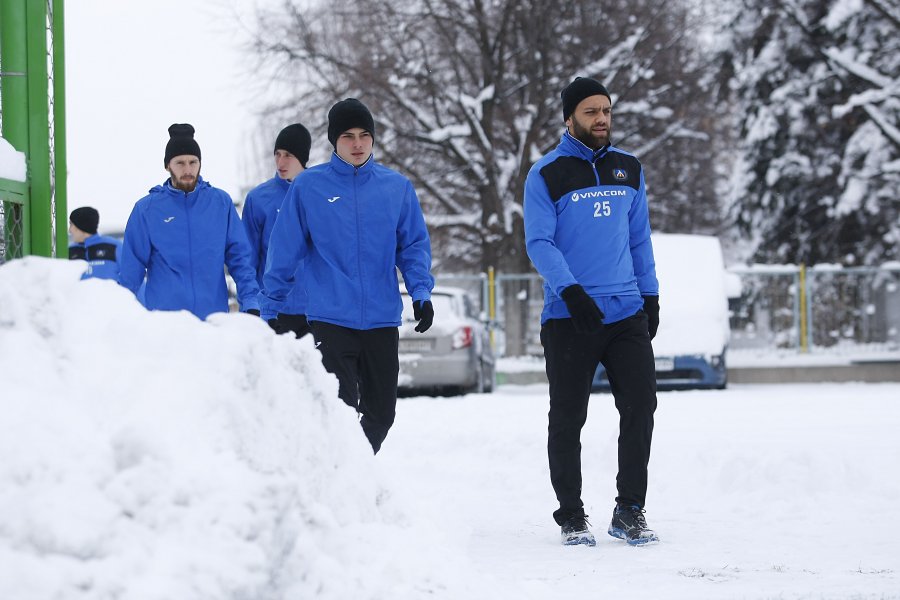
(575, 531)
(628, 524)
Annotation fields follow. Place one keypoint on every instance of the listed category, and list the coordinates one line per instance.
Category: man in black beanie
(355, 223)
(261, 208)
(181, 236)
(100, 251)
(587, 231)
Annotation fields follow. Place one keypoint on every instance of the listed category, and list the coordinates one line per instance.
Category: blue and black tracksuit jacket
(587, 222)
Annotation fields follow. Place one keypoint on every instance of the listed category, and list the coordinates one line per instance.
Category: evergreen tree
(816, 99)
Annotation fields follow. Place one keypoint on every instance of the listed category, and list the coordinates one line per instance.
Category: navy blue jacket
(260, 211)
(182, 242)
(354, 226)
(587, 222)
(102, 255)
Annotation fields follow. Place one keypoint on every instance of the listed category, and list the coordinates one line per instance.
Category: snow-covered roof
(12, 162)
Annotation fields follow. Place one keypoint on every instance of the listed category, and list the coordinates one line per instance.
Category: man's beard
(587, 138)
(184, 186)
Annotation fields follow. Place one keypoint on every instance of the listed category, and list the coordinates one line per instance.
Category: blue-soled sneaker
(575, 532)
(628, 523)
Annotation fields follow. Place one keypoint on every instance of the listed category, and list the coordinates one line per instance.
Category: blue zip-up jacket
(260, 211)
(354, 226)
(102, 254)
(587, 222)
(182, 242)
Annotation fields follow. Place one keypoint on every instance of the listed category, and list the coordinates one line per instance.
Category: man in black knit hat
(587, 231)
(260, 211)
(182, 235)
(100, 251)
(354, 222)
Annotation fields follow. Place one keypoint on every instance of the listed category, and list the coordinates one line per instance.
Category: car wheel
(489, 379)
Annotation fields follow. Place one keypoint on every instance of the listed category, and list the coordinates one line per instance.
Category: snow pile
(12, 162)
(154, 456)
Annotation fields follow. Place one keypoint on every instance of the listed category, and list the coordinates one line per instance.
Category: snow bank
(155, 456)
(12, 162)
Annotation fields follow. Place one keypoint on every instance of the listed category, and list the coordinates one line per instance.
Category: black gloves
(285, 323)
(651, 307)
(586, 315)
(253, 311)
(423, 312)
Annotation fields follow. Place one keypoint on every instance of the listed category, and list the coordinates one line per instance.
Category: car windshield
(444, 304)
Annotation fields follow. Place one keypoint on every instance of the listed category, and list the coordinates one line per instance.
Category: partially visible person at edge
(100, 251)
(260, 210)
(587, 231)
(354, 222)
(181, 237)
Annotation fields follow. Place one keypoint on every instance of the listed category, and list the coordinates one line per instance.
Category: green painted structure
(32, 101)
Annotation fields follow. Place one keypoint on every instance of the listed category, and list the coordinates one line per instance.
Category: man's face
(184, 169)
(287, 165)
(354, 146)
(78, 236)
(591, 122)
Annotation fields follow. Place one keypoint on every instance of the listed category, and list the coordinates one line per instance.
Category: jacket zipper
(362, 295)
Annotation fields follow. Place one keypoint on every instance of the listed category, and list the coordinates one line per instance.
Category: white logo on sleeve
(168, 220)
(334, 199)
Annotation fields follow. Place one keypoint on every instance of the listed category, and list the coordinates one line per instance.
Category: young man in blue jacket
(182, 236)
(100, 251)
(354, 222)
(587, 231)
(260, 211)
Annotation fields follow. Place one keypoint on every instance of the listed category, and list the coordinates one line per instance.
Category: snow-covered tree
(816, 94)
(465, 94)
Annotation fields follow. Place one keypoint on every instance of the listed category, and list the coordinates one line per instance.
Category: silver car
(454, 355)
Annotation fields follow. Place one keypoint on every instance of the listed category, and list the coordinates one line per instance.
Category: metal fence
(820, 309)
(11, 230)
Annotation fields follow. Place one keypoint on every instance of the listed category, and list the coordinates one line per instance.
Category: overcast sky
(133, 69)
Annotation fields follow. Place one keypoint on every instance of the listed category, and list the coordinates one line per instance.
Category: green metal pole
(59, 129)
(14, 87)
(39, 128)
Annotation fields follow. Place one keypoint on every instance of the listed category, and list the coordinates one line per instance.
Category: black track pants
(366, 364)
(572, 358)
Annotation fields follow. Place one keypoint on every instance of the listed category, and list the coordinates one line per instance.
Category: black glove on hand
(423, 312)
(277, 327)
(586, 315)
(296, 323)
(651, 307)
(253, 311)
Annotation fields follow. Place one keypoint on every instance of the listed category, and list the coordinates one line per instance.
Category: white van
(693, 334)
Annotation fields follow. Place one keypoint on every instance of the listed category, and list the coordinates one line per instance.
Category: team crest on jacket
(620, 174)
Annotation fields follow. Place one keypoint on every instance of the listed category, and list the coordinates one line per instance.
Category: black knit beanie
(347, 114)
(578, 90)
(296, 140)
(86, 219)
(181, 141)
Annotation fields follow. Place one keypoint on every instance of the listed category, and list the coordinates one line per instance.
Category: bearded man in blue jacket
(182, 236)
(587, 231)
(260, 211)
(354, 222)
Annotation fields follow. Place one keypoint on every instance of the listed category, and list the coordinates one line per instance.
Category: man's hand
(651, 308)
(423, 312)
(586, 315)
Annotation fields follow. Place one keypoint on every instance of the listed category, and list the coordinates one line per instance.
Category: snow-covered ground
(150, 455)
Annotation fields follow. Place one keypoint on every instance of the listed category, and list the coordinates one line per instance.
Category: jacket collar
(282, 183)
(571, 146)
(344, 168)
(169, 188)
